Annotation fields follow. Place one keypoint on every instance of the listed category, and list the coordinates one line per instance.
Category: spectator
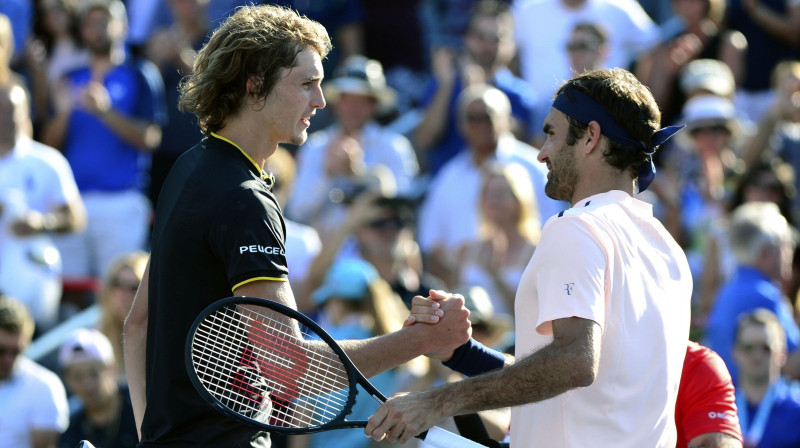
(761, 241)
(107, 121)
(105, 415)
(58, 32)
(115, 300)
(587, 47)
(380, 230)
(778, 132)
(38, 197)
(488, 51)
(770, 27)
(767, 182)
(769, 405)
(484, 115)
(705, 412)
(34, 404)
(357, 93)
(508, 231)
(543, 29)
(701, 36)
(698, 174)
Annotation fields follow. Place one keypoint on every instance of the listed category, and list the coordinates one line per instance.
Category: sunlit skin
(284, 115)
(559, 158)
(99, 31)
(354, 111)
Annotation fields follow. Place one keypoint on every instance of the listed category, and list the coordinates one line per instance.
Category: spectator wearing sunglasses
(115, 299)
(587, 48)
(768, 404)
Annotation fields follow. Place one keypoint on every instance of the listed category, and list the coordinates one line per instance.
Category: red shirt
(706, 401)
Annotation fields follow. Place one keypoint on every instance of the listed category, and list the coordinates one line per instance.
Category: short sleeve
(571, 274)
(706, 401)
(52, 410)
(249, 238)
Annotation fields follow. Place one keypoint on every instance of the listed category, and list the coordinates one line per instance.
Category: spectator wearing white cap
(358, 93)
(105, 414)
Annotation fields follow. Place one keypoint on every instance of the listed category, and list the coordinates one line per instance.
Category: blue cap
(347, 279)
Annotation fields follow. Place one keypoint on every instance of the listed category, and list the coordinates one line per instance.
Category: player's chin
(300, 138)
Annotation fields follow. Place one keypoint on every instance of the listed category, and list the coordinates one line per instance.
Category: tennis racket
(249, 360)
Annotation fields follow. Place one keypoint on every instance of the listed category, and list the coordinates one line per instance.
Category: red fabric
(706, 401)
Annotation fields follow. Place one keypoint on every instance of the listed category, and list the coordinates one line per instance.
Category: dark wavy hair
(257, 41)
(629, 102)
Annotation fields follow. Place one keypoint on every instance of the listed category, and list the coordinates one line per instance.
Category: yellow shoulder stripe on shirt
(254, 279)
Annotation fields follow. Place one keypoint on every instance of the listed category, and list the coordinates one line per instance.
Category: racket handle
(439, 438)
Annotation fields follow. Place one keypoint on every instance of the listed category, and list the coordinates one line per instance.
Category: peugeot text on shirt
(255, 248)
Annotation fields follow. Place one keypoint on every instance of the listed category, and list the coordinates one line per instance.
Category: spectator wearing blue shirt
(768, 404)
(760, 239)
(488, 50)
(108, 119)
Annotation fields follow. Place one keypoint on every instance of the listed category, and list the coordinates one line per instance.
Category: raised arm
(569, 362)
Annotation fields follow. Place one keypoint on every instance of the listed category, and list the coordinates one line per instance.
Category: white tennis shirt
(609, 260)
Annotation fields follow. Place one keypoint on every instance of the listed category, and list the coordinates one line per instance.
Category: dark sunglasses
(716, 129)
(125, 286)
(479, 118)
(581, 46)
(387, 224)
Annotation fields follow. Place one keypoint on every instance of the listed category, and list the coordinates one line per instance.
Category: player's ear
(254, 85)
(591, 138)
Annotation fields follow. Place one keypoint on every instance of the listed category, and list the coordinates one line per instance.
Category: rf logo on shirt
(568, 288)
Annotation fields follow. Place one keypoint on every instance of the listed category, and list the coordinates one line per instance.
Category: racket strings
(255, 365)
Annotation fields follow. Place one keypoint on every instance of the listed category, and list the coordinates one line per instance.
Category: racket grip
(439, 438)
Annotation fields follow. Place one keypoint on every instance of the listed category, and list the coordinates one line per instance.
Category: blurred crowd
(420, 174)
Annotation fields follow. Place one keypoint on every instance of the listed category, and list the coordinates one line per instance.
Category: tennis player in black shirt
(219, 231)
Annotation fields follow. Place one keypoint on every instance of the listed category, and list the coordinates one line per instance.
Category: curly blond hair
(255, 42)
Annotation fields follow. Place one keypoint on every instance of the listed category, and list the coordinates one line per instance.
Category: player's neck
(249, 141)
(601, 182)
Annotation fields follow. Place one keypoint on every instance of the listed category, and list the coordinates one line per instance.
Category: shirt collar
(265, 176)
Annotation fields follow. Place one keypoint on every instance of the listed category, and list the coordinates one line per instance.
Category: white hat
(707, 74)
(85, 345)
(361, 76)
(709, 110)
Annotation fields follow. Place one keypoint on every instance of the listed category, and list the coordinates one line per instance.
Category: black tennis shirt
(217, 226)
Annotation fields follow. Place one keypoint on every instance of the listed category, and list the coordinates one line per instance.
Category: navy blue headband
(583, 109)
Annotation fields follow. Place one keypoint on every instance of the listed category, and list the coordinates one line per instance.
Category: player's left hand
(402, 417)
(424, 310)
